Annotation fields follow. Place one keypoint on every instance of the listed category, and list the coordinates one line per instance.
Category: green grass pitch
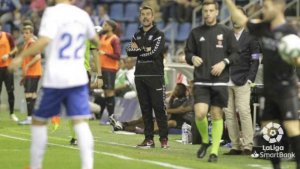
(112, 151)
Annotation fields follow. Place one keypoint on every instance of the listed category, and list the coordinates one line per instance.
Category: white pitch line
(124, 145)
(168, 165)
(114, 143)
(259, 166)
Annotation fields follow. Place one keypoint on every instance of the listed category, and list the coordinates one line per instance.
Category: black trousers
(151, 95)
(8, 79)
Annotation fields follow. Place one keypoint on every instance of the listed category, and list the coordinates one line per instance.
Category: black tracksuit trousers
(151, 95)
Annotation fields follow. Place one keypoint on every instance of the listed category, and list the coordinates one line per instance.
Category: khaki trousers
(239, 101)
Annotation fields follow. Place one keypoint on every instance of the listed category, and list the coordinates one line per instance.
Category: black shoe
(202, 150)
(234, 152)
(247, 152)
(73, 142)
(276, 166)
(213, 158)
(146, 144)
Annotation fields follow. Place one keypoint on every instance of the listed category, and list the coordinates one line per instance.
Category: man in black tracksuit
(147, 45)
(210, 48)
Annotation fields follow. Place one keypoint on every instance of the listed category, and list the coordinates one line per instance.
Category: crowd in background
(167, 12)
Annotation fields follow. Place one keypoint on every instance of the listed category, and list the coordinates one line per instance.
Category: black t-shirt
(279, 77)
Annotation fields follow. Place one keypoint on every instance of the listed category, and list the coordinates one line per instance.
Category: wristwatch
(99, 77)
(226, 61)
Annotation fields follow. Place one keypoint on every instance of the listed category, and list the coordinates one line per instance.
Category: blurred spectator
(181, 110)
(89, 9)
(167, 9)
(120, 79)
(7, 8)
(36, 20)
(17, 36)
(82, 3)
(127, 88)
(178, 106)
(17, 18)
(37, 5)
(102, 15)
(184, 10)
(179, 10)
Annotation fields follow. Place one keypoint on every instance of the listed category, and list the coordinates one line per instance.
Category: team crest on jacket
(150, 37)
(220, 41)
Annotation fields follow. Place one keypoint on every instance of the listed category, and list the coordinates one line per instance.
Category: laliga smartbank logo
(273, 134)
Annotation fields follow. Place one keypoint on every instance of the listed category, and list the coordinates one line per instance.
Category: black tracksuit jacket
(213, 44)
(150, 52)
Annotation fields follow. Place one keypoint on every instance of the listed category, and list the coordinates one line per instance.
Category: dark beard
(147, 26)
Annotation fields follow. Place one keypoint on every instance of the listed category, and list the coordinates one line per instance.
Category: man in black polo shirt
(280, 79)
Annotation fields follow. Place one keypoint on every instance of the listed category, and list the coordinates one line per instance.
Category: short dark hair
(28, 27)
(242, 9)
(211, 2)
(113, 24)
(146, 7)
(182, 89)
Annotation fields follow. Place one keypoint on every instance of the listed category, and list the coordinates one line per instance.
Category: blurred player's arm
(36, 58)
(255, 26)
(33, 50)
(133, 49)
(190, 49)
(236, 14)
(95, 41)
(96, 60)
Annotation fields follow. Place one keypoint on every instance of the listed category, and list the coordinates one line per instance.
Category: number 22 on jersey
(71, 47)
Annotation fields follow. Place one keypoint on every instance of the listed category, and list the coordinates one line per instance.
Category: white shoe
(116, 124)
(112, 120)
(25, 122)
(14, 117)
